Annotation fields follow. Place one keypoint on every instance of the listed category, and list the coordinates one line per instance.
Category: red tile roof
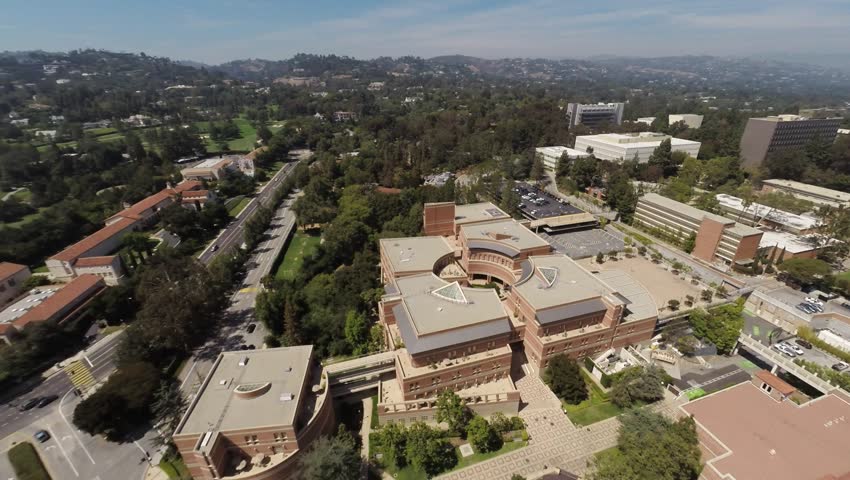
(95, 261)
(74, 252)
(196, 194)
(775, 382)
(71, 295)
(136, 210)
(8, 269)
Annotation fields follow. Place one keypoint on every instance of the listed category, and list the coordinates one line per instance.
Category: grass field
(410, 473)
(302, 244)
(843, 275)
(25, 219)
(245, 142)
(236, 209)
(695, 393)
(26, 462)
(596, 408)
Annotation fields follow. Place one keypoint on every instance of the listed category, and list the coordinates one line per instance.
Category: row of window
(252, 439)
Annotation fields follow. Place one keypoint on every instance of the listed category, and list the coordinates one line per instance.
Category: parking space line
(62, 449)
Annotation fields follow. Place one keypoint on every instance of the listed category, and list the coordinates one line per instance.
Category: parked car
(251, 347)
(45, 401)
(814, 301)
(840, 367)
(845, 305)
(803, 343)
(781, 349)
(793, 348)
(42, 436)
(802, 307)
(252, 327)
(29, 404)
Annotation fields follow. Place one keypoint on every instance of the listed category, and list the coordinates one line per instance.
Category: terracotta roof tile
(95, 261)
(8, 269)
(775, 382)
(78, 249)
(71, 294)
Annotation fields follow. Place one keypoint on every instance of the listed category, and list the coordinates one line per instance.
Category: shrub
(482, 435)
(564, 377)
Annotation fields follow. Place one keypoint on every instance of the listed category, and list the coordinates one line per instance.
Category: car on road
(45, 401)
(252, 327)
(839, 367)
(793, 348)
(803, 343)
(29, 404)
(214, 248)
(42, 436)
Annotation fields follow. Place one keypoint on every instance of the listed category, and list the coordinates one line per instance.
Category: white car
(814, 301)
(793, 348)
(784, 350)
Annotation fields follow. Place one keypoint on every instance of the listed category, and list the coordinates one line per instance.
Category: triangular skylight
(550, 274)
(451, 292)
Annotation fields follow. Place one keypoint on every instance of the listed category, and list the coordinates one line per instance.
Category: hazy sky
(219, 30)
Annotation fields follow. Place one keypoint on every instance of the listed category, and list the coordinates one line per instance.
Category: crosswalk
(80, 375)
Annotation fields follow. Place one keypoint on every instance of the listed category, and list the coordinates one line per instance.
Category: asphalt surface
(233, 332)
(584, 244)
(102, 358)
(232, 236)
(552, 207)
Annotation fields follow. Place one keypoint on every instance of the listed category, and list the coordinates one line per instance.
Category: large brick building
(255, 413)
(451, 334)
(718, 239)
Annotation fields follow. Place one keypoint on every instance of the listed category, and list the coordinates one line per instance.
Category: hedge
(26, 462)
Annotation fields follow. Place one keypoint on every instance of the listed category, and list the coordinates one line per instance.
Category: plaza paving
(553, 440)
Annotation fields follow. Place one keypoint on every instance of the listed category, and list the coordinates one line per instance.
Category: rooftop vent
(243, 362)
(286, 397)
(287, 369)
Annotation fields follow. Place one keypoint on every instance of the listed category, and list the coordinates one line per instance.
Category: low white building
(646, 120)
(552, 155)
(617, 147)
(756, 214)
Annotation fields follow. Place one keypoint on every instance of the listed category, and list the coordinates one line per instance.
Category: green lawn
(175, 468)
(302, 244)
(26, 462)
(410, 473)
(23, 195)
(374, 423)
(245, 142)
(236, 209)
(26, 219)
(596, 408)
(844, 275)
(41, 269)
(695, 393)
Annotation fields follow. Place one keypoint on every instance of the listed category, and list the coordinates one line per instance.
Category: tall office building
(595, 115)
(767, 135)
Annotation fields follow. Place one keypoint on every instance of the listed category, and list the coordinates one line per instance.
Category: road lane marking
(62, 449)
(73, 432)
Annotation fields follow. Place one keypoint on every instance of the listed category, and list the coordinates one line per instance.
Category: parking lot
(584, 244)
(536, 203)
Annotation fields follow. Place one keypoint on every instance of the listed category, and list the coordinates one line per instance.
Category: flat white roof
(814, 190)
(788, 241)
(557, 151)
(415, 254)
(637, 140)
(801, 222)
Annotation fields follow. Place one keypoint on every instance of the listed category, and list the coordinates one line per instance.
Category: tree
(706, 295)
(334, 458)
(721, 325)
(600, 258)
(564, 377)
(392, 438)
(673, 304)
(620, 195)
(805, 271)
(264, 134)
(452, 410)
(509, 200)
(651, 447)
(483, 437)
(786, 163)
(686, 344)
(357, 331)
(538, 171)
(690, 242)
(168, 406)
(584, 171)
(428, 451)
(638, 385)
(662, 157)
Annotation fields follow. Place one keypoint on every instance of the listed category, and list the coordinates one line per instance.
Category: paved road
(232, 236)
(102, 358)
(233, 332)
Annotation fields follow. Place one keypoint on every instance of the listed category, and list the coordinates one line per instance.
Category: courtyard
(657, 278)
(585, 243)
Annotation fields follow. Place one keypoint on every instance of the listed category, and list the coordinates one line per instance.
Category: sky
(215, 31)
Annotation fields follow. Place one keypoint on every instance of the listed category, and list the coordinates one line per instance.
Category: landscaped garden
(420, 451)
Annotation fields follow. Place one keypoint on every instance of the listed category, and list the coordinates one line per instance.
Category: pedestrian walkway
(553, 440)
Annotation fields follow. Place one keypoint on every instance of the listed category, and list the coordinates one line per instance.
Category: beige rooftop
(506, 232)
(640, 304)
(415, 254)
(218, 406)
(478, 212)
(435, 305)
(558, 280)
